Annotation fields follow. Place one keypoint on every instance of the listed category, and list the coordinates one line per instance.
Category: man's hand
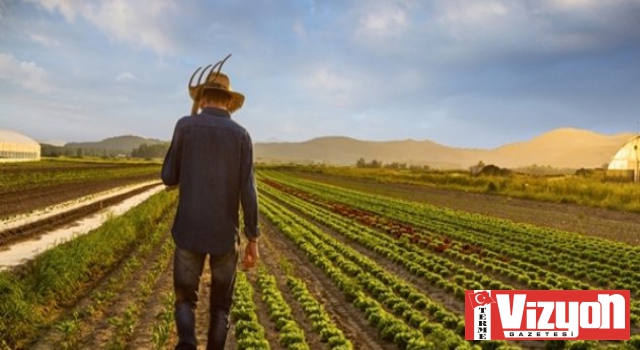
(251, 254)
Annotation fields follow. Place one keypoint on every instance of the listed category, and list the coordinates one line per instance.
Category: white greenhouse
(626, 163)
(15, 147)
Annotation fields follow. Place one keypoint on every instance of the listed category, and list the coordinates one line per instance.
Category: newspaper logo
(547, 315)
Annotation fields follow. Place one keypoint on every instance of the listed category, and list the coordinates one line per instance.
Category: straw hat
(215, 81)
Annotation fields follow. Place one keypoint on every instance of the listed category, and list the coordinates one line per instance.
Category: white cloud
(383, 23)
(575, 4)
(126, 76)
(473, 13)
(136, 22)
(70, 9)
(331, 87)
(323, 80)
(45, 41)
(142, 22)
(24, 73)
(474, 32)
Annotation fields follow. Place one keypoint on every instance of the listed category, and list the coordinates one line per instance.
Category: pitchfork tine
(193, 76)
(223, 61)
(211, 71)
(200, 82)
(220, 67)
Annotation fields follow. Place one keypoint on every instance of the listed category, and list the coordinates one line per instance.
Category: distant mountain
(345, 151)
(562, 148)
(124, 144)
(566, 147)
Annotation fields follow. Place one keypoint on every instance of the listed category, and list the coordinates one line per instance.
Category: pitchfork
(195, 91)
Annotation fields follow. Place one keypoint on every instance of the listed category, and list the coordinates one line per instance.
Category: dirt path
(143, 334)
(202, 313)
(615, 225)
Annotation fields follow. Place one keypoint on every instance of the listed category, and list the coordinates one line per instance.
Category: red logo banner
(547, 315)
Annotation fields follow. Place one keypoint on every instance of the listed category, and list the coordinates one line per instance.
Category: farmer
(211, 161)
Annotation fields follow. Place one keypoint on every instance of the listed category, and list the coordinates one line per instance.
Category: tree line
(362, 163)
(143, 151)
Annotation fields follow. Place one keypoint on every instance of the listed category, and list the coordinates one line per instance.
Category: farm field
(340, 269)
(586, 187)
(612, 224)
(25, 187)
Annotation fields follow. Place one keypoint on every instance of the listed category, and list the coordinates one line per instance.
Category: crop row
(363, 268)
(31, 298)
(23, 180)
(496, 249)
(126, 323)
(248, 331)
(576, 246)
(589, 191)
(414, 241)
(433, 268)
(559, 241)
(104, 297)
(471, 255)
(356, 274)
(291, 335)
(321, 322)
(330, 221)
(164, 324)
(532, 276)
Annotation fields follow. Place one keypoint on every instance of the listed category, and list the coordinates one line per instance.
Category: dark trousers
(187, 269)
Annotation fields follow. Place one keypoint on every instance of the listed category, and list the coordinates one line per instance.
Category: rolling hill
(124, 144)
(559, 148)
(562, 148)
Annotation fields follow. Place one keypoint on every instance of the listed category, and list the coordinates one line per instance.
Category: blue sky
(464, 73)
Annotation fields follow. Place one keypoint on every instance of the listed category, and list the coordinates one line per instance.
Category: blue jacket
(211, 159)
